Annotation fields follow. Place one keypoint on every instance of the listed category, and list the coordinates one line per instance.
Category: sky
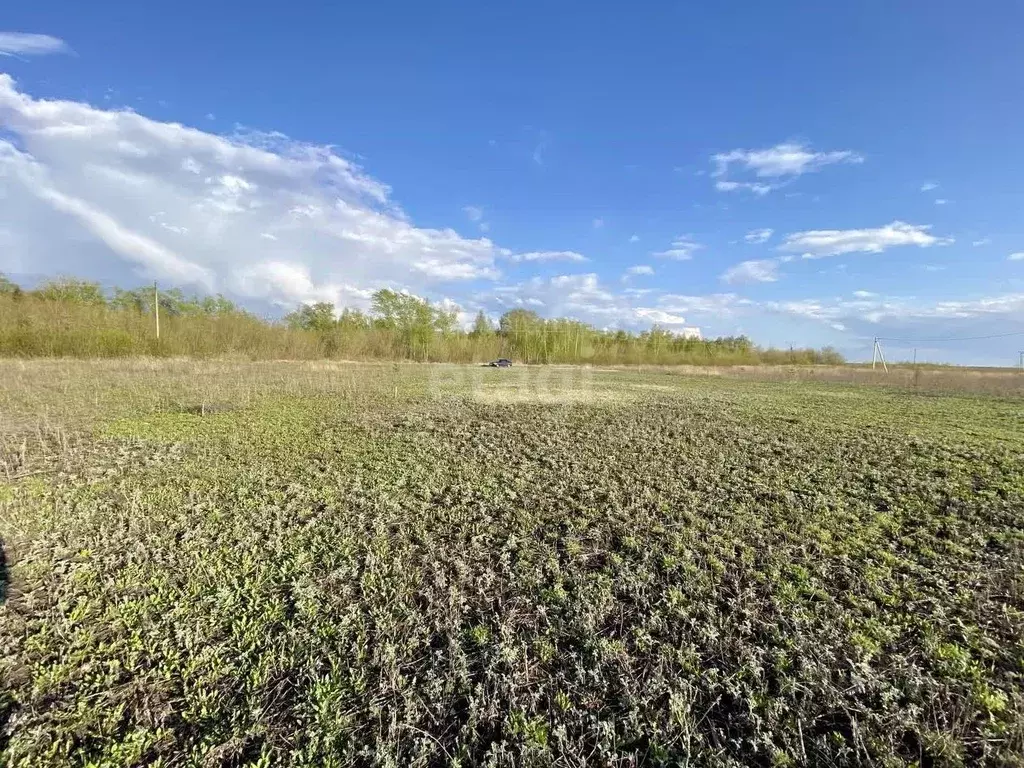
(802, 173)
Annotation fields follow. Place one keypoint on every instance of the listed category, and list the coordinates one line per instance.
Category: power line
(958, 338)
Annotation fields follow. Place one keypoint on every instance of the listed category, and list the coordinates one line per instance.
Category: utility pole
(156, 307)
(876, 354)
(1021, 361)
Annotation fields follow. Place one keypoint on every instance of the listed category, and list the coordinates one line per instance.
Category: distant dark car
(501, 362)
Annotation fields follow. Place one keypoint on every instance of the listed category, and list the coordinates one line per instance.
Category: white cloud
(25, 44)
(661, 317)
(90, 191)
(982, 241)
(751, 186)
(475, 213)
(639, 269)
(443, 270)
(583, 297)
(634, 238)
(928, 186)
(784, 161)
(682, 249)
(538, 151)
(597, 223)
(758, 236)
(1019, 256)
(864, 294)
(754, 271)
(547, 256)
(715, 304)
(899, 311)
(941, 201)
(832, 242)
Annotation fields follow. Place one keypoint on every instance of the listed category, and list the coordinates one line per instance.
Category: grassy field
(319, 564)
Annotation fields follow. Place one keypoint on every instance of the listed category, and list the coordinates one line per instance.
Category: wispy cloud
(682, 249)
(783, 162)
(751, 186)
(758, 236)
(639, 269)
(540, 148)
(901, 311)
(928, 186)
(981, 242)
(832, 242)
(1019, 256)
(26, 44)
(585, 297)
(941, 201)
(597, 223)
(547, 256)
(753, 271)
(475, 213)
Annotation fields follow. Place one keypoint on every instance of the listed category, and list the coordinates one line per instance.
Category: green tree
(9, 288)
(70, 289)
(353, 320)
(218, 306)
(413, 319)
(138, 300)
(481, 326)
(312, 317)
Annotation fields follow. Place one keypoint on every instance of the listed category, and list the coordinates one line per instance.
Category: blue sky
(803, 173)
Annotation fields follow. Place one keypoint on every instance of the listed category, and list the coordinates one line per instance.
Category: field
(321, 564)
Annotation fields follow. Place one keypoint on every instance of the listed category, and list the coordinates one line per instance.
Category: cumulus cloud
(547, 256)
(258, 215)
(832, 242)
(634, 238)
(783, 162)
(1018, 256)
(27, 44)
(758, 236)
(682, 249)
(754, 271)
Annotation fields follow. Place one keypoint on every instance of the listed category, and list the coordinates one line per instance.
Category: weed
(373, 565)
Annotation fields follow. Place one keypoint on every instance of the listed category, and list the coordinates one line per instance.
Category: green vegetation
(73, 318)
(323, 564)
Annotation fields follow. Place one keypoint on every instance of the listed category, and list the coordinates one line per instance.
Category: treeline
(75, 318)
